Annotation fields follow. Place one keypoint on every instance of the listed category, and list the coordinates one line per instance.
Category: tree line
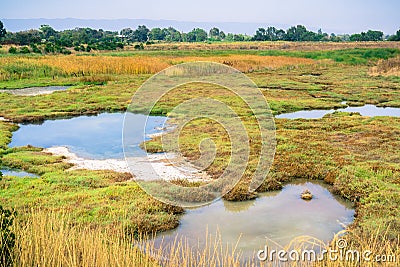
(48, 40)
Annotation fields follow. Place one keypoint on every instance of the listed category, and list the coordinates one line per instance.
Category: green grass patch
(356, 56)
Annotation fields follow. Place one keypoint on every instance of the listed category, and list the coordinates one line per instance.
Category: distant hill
(15, 25)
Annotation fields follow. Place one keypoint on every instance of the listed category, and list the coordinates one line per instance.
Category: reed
(389, 67)
(51, 239)
(23, 67)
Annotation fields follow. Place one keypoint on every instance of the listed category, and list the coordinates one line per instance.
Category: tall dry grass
(389, 67)
(79, 65)
(50, 239)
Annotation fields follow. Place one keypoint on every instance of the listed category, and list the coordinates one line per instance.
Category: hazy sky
(336, 15)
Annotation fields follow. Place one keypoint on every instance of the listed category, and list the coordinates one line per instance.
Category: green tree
(374, 35)
(269, 34)
(48, 32)
(367, 36)
(127, 34)
(298, 33)
(260, 35)
(238, 37)
(157, 34)
(172, 35)
(196, 35)
(214, 33)
(395, 37)
(2, 30)
(141, 34)
(27, 37)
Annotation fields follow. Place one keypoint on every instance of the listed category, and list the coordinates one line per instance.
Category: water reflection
(32, 91)
(278, 215)
(16, 172)
(367, 110)
(91, 137)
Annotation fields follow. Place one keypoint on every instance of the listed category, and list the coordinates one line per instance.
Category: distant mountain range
(15, 25)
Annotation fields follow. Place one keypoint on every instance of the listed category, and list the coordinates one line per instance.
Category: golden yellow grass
(51, 239)
(88, 65)
(389, 67)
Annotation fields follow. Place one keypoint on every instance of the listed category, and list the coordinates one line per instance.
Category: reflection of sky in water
(18, 173)
(279, 215)
(367, 110)
(35, 90)
(94, 137)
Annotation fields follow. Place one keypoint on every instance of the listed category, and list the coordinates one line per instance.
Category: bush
(65, 51)
(35, 49)
(7, 237)
(49, 48)
(139, 46)
(24, 50)
(12, 50)
(120, 45)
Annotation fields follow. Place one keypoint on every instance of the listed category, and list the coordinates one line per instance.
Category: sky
(340, 16)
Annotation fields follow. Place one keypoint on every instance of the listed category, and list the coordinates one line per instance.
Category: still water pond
(367, 110)
(32, 91)
(279, 216)
(91, 137)
(16, 172)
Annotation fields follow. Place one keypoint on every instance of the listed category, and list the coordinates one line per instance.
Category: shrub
(24, 50)
(65, 51)
(12, 50)
(120, 45)
(35, 49)
(139, 46)
(49, 48)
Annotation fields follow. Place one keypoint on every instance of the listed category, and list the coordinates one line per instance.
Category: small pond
(16, 172)
(279, 216)
(32, 91)
(91, 137)
(366, 110)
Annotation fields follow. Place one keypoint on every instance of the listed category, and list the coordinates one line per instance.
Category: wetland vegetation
(104, 210)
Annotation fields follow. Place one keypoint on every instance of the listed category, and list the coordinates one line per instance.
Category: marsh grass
(52, 239)
(389, 67)
(23, 67)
